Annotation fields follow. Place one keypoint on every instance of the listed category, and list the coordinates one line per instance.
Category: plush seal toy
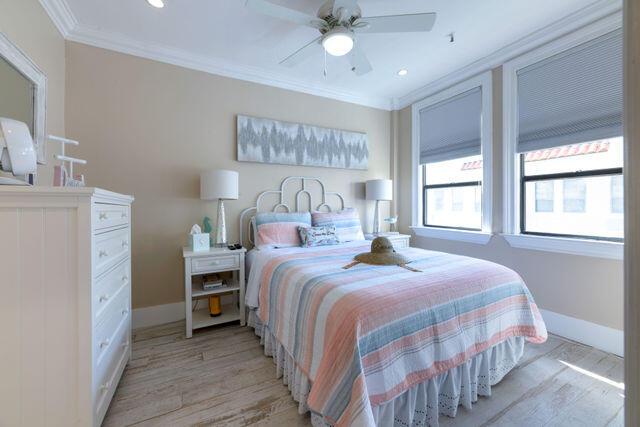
(382, 253)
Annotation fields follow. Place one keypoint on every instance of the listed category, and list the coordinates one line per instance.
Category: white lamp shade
(379, 189)
(219, 184)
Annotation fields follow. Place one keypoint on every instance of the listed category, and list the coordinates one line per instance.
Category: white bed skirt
(421, 404)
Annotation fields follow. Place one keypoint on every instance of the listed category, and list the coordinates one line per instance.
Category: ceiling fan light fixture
(156, 3)
(338, 42)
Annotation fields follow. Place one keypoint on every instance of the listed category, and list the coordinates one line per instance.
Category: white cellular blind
(451, 128)
(574, 96)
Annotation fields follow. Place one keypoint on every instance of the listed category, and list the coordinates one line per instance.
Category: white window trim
(511, 167)
(486, 135)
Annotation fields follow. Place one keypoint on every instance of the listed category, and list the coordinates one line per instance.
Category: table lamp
(379, 190)
(219, 185)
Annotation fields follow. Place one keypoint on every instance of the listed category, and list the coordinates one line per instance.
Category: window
(544, 196)
(564, 124)
(586, 177)
(574, 195)
(617, 205)
(450, 155)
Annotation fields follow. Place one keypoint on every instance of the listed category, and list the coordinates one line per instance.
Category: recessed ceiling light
(156, 3)
(403, 72)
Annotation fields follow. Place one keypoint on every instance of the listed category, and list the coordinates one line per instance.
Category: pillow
(318, 236)
(347, 223)
(280, 229)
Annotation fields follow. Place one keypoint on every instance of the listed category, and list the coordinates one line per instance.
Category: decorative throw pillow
(280, 229)
(347, 223)
(318, 236)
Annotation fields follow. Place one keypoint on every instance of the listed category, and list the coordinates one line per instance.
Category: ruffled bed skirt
(421, 404)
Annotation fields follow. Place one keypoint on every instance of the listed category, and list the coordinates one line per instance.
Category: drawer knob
(104, 298)
(124, 215)
(125, 279)
(125, 243)
(102, 253)
(104, 387)
(125, 344)
(125, 311)
(104, 343)
(102, 216)
(214, 262)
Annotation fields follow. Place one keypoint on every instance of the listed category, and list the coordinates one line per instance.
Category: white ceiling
(222, 36)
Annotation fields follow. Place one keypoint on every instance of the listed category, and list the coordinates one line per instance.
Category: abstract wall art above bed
(273, 141)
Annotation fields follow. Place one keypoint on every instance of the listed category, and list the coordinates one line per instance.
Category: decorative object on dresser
(273, 141)
(398, 240)
(206, 263)
(378, 190)
(17, 152)
(219, 185)
(66, 269)
(63, 177)
(26, 101)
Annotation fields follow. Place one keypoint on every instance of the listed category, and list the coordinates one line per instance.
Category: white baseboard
(157, 315)
(597, 336)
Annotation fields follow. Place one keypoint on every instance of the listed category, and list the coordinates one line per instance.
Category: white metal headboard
(304, 190)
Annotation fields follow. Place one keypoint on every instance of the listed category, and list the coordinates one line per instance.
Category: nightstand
(399, 241)
(215, 260)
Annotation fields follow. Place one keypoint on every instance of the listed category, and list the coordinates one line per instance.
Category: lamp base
(221, 229)
(376, 219)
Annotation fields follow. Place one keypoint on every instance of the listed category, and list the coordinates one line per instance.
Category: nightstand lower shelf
(202, 319)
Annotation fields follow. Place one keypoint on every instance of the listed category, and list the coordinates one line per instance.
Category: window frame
(418, 187)
(513, 202)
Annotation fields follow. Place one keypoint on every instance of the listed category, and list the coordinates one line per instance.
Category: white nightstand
(399, 241)
(215, 260)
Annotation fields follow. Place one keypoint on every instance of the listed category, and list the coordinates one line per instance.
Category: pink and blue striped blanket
(365, 335)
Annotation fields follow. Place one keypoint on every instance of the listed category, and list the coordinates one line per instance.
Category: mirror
(23, 89)
(17, 92)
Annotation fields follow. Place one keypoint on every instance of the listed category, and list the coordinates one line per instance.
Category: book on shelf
(212, 282)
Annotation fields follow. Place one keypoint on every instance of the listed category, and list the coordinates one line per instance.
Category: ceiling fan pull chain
(325, 64)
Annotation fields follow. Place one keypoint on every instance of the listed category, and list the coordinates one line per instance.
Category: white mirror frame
(30, 70)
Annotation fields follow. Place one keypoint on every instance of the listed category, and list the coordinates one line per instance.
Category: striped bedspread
(366, 334)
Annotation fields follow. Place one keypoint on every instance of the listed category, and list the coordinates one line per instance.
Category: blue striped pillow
(347, 223)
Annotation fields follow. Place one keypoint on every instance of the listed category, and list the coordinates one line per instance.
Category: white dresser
(65, 303)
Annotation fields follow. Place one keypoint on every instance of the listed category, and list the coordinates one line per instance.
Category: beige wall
(582, 287)
(149, 129)
(28, 26)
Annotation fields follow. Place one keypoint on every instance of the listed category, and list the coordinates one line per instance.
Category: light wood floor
(221, 377)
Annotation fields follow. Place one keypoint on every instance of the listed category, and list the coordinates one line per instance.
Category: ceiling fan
(339, 21)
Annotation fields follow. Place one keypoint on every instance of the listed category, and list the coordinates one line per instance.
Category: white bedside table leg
(241, 281)
(187, 298)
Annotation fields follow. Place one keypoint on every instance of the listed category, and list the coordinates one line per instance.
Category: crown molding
(61, 15)
(123, 44)
(604, 11)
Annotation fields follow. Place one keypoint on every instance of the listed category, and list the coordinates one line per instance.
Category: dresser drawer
(109, 249)
(107, 288)
(109, 216)
(110, 323)
(108, 374)
(215, 263)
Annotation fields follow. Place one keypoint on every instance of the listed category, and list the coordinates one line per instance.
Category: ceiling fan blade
(397, 23)
(301, 54)
(281, 12)
(348, 8)
(359, 62)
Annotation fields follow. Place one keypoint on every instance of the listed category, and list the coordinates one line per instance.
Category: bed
(383, 345)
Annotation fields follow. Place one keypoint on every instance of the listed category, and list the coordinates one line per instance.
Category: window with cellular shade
(571, 97)
(451, 128)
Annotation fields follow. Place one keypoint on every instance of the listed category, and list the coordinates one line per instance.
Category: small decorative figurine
(206, 222)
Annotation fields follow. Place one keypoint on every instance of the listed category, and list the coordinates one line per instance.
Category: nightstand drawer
(216, 263)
